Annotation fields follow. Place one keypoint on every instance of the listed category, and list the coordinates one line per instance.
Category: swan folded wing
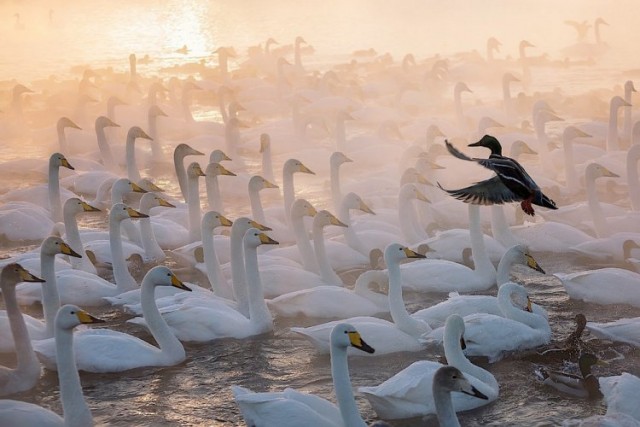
(488, 192)
(408, 383)
(620, 393)
(623, 330)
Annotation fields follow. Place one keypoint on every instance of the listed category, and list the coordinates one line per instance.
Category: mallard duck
(586, 386)
(569, 349)
(511, 183)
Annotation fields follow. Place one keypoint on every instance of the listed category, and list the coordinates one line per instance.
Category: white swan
(335, 161)
(408, 393)
(292, 408)
(211, 220)
(72, 207)
(27, 371)
(152, 250)
(202, 323)
(49, 293)
(464, 305)
(494, 336)
(445, 276)
(213, 189)
(105, 350)
(400, 335)
(74, 406)
(622, 286)
(621, 330)
(335, 301)
(257, 183)
(179, 153)
(290, 167)
(133, 172)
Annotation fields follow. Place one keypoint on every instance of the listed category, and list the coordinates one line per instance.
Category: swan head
(65, 122)
(449, 378)
(69, 316)
(493, 43)
(324, 218)
(194, 170)
(114, 101)
(265, 142)
(124, 185)
(458, 88)
(396, 252)
(215, 169)
(520, 147)
(353, 201)
(257, 183)
(344, 335)
(571, 132)
(521, 254)
(412, 175)
(294, 165)
(120, 211)
(74, 205)
(137, 132)
(147, 185)
(618, 101)
(218, 156)
(338, 158)
(628, 86)
(242, 224)
(213, 219)
(57, 160)
(163, 276)
(19, 89)
(410, 191)
(150, 200)
(53, 245)
(254, 238)
(433, 131)
(183, 150)
(14, 273)
(104, 121)
(508, 78)
(596, 170)
(155, 111)
(301, 207)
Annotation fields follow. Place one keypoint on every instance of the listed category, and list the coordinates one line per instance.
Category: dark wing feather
(488, 192)
(456, 153)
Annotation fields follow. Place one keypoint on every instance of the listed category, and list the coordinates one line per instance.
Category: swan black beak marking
(475, 393)
(358, 342)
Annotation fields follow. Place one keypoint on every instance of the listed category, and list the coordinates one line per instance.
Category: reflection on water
(197, 391)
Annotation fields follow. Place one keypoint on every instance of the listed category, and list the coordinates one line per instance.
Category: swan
(446, 380)
(444, 276)
(61, 125)
(152, 250)
(609, 250)
(622, 286)
(408, 393)
(105, 350)
(290, 167)
(50, 299)
(293, 408)
(335, 301)
(74, 406)
(194, 171)
(27, 371)
(335, 161)
(265, 151)
(493, 336)
(200, 323)
(400, 335)
(464, 305)
(213, 189)
(133, 172)
(179, 153)
(621, 330)
(257, 183)
(211, 220)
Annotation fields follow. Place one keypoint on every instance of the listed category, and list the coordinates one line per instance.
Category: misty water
(49, 47)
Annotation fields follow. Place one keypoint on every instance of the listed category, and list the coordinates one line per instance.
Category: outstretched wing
(456, 153)
(488, 192)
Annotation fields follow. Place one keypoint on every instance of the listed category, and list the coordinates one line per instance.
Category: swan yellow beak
(336, 221)
(311, 211)
(528, 307)
(224, 156)
(412, 254)
(266, 240)
(259, 226)
(198, 170)
(66, 250)
(137, 189)
(163, 202)
(422, 197)
(85, 317)
(268, 184)
(135, 214)
(224, 221)
(422, 180)
(143, 134)
(357, 342)
(64, 162)
(225, 171)
(26, 276)
(88, 208)
(609, 174)
(175, 282)
(364, 208)
(303, 168)
(153, 187)
(532, 263)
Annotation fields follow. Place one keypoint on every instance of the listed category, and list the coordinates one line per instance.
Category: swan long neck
(27, 362)
(541, 137)
(483, 264)
(349, 232)
(342, 386)
(398, 310)
(569, 166)
(633, 156)
(409, 223)
(124, 280)
(75, 408)
(627, 118)
(55, 206)
(267, 165)
(193, 206)
(612, 130)
(500, 227)
(213, 193)
(156, 149)
(214, 272)
(505, 303)
(288, 194)
(444, 408)
(105, 149)
(133, 173)
(259, 314)
(336, 194)
(504, 267)
(256, 206)
(158, 327)
(181, 173)
(149, 243)
(73, 238)
(238, 278)
(326, 272)
(50, 296)
(307, 255)
(599, 220)
(62, 139)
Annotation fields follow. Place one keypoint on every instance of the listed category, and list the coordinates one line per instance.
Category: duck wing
(491, 191)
